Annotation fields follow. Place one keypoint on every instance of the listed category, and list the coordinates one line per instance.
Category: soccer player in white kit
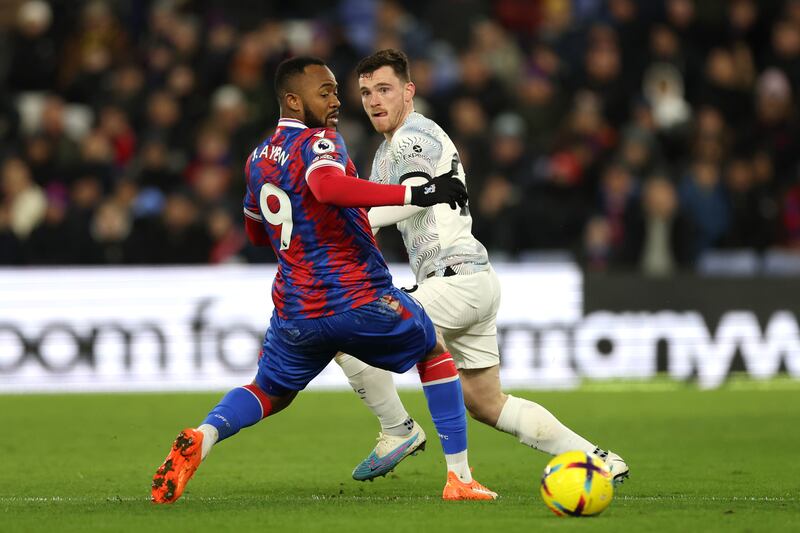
(456, 285)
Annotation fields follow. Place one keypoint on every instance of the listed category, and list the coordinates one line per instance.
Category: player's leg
(538, 428)
(534, 425)
(240, 408)
(397, 328)
(483, 396)
(452, 303)
(477, 357)
(400, 436)
(442, 388)
(283, 369)
(375, 387)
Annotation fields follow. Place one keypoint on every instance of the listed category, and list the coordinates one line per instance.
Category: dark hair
(383, 58)
(288, 69)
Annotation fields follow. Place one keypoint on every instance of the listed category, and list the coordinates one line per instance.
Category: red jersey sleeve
(332, 178)
(251, 209)
(324, 148)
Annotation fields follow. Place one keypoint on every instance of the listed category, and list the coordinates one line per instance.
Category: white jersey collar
(291, 123)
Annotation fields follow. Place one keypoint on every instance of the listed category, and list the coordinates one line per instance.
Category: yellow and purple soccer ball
(577, 484)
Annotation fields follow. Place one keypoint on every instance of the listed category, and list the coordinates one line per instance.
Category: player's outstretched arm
(330, 185)
(380, 217)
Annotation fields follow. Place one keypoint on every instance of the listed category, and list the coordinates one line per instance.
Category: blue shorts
(392, 333)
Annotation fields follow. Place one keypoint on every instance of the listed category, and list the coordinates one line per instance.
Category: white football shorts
(464, 309)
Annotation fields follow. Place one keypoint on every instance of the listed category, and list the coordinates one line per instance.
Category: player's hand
(444, 189)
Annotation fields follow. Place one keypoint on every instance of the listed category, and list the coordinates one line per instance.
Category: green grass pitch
(723, 460)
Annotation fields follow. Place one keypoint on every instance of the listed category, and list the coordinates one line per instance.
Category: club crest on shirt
(322, 146)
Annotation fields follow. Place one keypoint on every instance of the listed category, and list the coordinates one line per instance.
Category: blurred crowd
(635, 134)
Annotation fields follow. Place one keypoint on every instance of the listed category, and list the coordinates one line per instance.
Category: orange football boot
(179, 466)
(455, 489)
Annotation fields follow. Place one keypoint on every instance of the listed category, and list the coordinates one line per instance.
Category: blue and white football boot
(388, 453)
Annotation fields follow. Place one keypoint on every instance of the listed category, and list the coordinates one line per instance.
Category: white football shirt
(437, 237)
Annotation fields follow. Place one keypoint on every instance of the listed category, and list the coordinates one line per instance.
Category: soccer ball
(576, 484)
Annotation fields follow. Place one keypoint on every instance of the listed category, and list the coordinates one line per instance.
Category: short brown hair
(383, 58)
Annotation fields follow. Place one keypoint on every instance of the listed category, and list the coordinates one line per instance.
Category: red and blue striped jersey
(328, 261)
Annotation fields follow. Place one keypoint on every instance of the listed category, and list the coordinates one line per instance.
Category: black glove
(444, 189)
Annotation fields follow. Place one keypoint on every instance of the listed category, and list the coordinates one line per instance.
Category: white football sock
(536, 427)
(210, 437)
(457, 462)
(376, 389)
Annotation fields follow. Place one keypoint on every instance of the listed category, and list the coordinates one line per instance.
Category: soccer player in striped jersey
(332, 291)
(455, 284)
